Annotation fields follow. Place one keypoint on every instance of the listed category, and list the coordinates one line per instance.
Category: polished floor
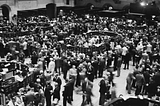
(120, 83)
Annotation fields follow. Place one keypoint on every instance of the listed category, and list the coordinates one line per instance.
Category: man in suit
(140, 81)
(115, 54)
(95, 66)
(58, 80)
(126, 60)
(58, 65)
(119, 63)
(90, 72)
(48, 94)
(56, 94)
(87, 90)
(65, 68)
(67, 93)
(101, 66)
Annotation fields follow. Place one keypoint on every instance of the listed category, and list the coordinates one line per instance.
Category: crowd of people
(66, 46)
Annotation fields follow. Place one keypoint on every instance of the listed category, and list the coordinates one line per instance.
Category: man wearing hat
(48, 94)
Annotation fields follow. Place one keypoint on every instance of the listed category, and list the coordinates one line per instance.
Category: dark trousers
(102, 99)
(133, 84)
(78, 80)
(109, 63)
(115, 65)
(95, 72)
(71, 93)
(89, 100)
(58, 70)
(86, 100)
(64, 101)
(100, 72)
(138, 90)
(126, 64)
(129, 85)
(25, 52)
(133, 57)
(64, 74)
(36, 103)
(48, 101)
(137, 60)
(83, 98)
(144, 89)
(123, 57)
(83, 101)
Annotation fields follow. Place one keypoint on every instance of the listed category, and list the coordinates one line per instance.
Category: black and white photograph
(79, 52)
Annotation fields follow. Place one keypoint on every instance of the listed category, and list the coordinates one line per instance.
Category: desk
(16, 85)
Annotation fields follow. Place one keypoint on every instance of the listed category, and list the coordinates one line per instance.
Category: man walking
(119, 63)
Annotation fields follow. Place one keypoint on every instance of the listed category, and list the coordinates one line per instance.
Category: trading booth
(13, 76)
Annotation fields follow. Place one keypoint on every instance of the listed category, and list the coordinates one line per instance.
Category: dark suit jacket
(58, 80)
(56, 93)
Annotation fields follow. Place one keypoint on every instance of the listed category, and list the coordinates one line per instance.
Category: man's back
(139, 79)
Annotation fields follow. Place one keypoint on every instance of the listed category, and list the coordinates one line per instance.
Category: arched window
(5, 11)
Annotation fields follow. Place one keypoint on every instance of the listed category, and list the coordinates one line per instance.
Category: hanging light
(143, 3)
(110, 8)
(153, 16)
